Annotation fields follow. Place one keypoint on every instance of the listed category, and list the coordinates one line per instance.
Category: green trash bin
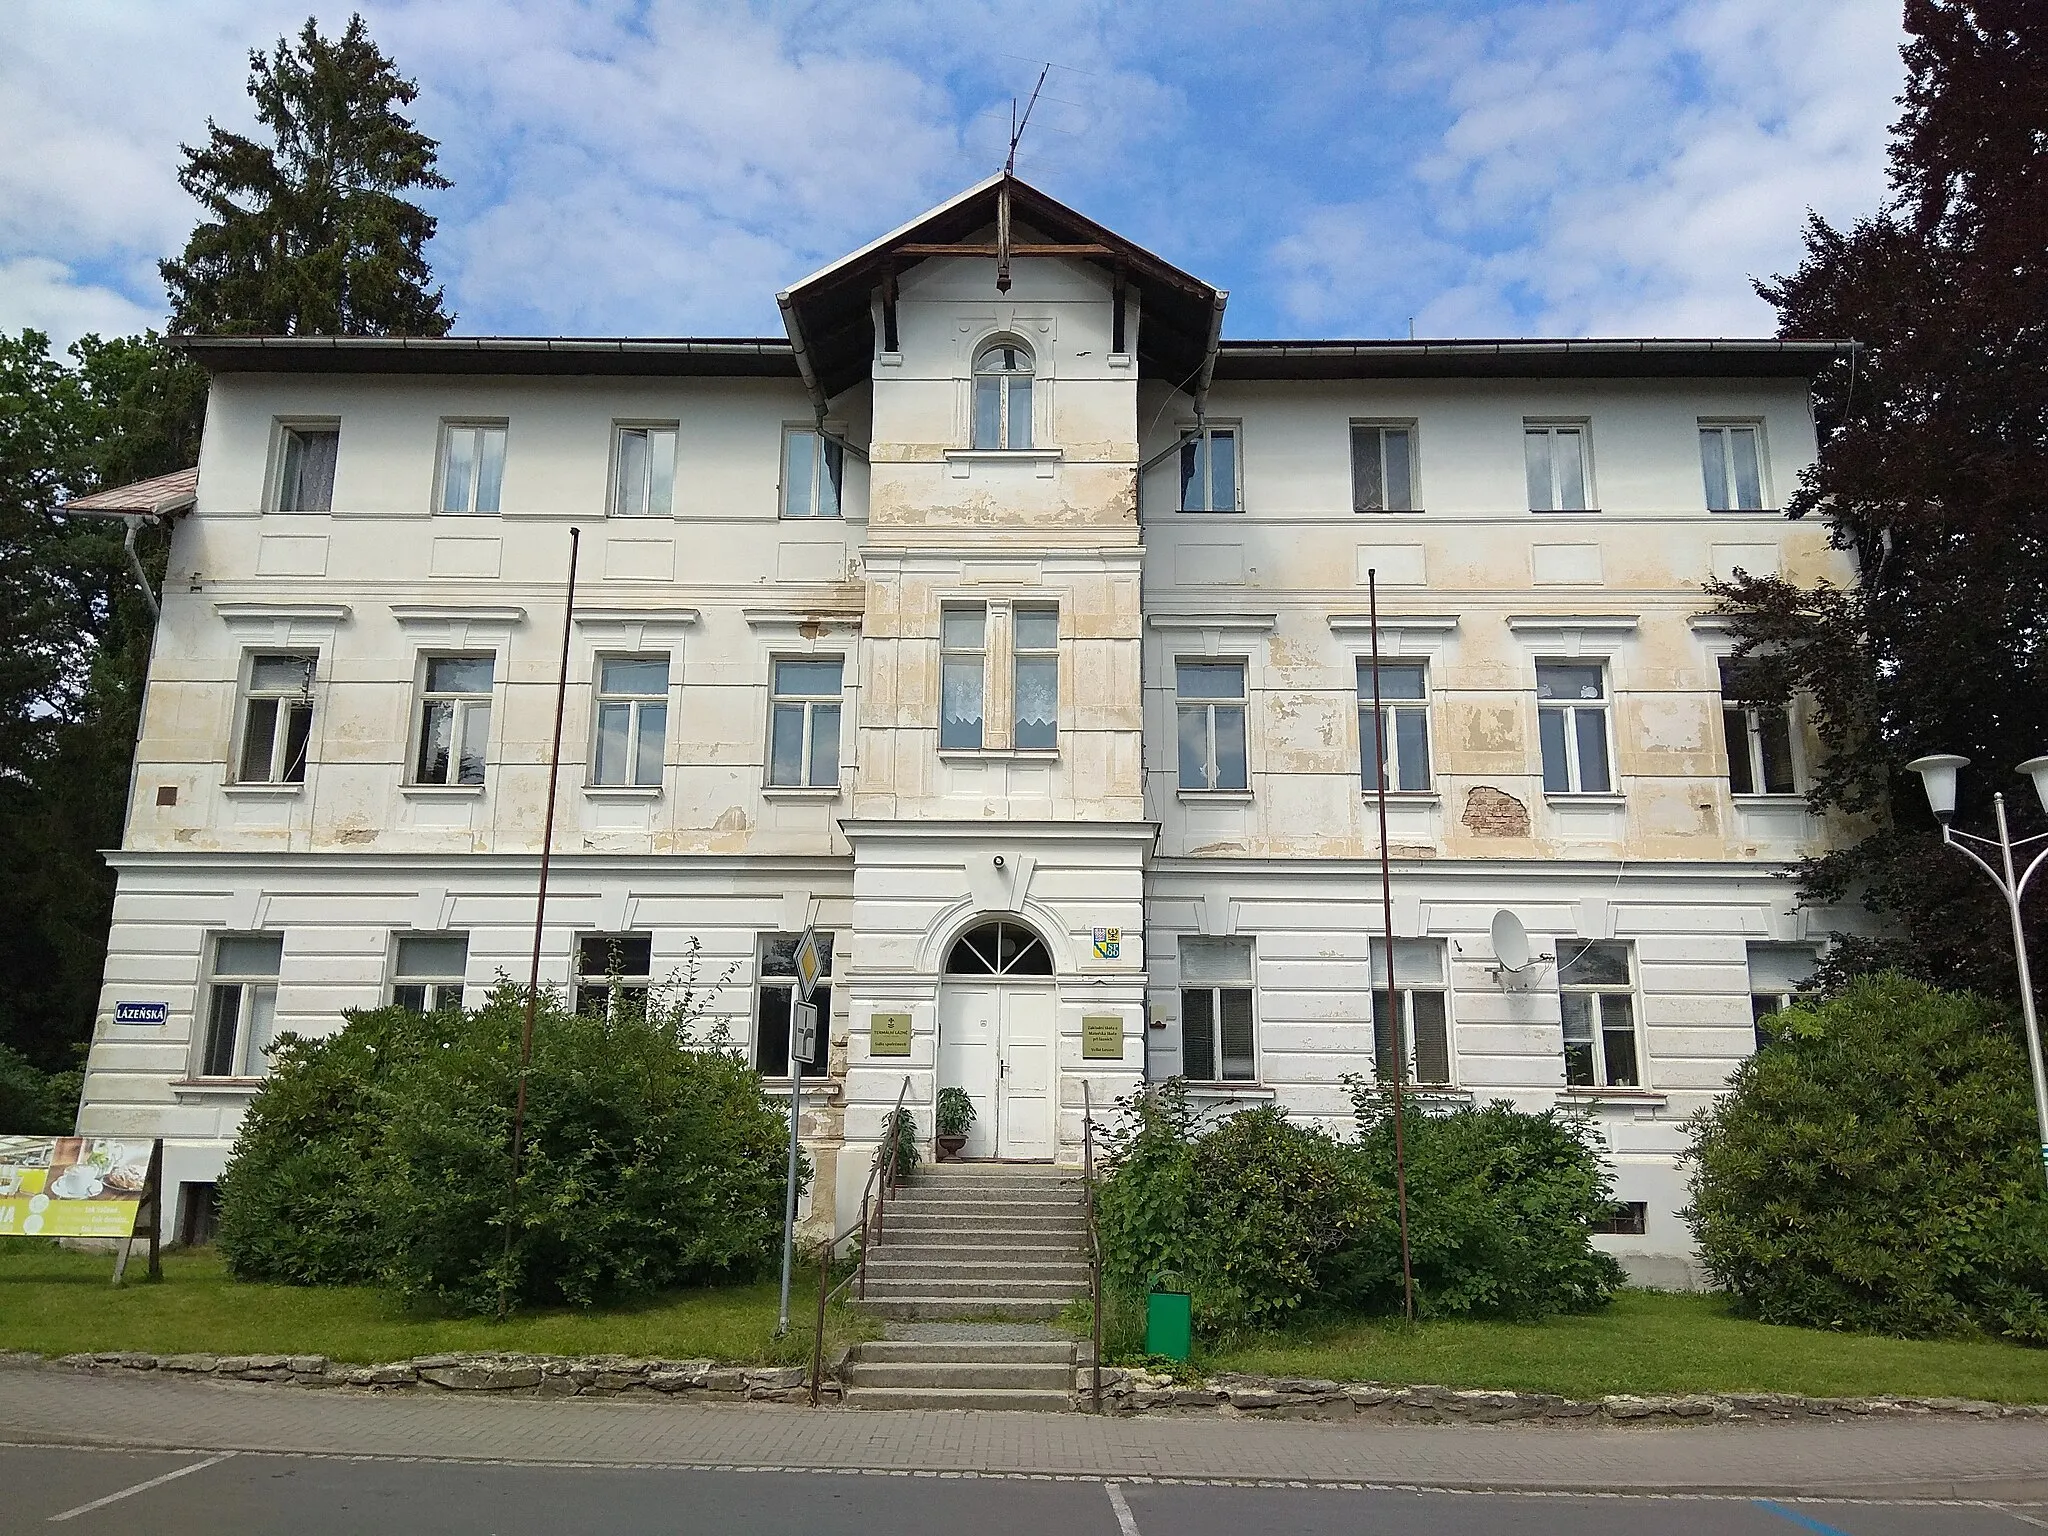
(1169, 1324)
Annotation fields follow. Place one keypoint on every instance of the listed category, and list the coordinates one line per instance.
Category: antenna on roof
(1017, 127)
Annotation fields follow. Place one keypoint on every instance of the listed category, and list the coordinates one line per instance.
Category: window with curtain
(1732, 467)
(305, 479)
(1571, 717)
(644, 484)
(1556, 461)
(472, 466)
(1382, 467)
(1404, 725)
(1210, 705)
(1035, 663)
(1208, 470)
(1217, 1039)
(813, 473)
(241, 1004)
(1002, 396)
(1421, 997)
(963, 676)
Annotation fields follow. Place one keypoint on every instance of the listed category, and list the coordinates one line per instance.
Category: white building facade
(1007, 625)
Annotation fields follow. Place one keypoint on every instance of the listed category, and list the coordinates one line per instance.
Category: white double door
(996, 1041)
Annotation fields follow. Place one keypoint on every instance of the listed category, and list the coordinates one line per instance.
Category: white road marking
(2007, 1509)
(154, 1482)
(1125, 1522)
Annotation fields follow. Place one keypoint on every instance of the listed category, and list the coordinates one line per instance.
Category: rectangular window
(277, 718)
(1210, 702)
(613, 972)
(1556, 459)
(1598, 1002)
(428, 971)
(1759, 736)
(1421, 994)
(241, 1006)
(472, 466)
(632, 720)
(813, 471)
(774, 992)
(1208, 470)
(803, 723)
(1216, 1035)
(644, 484)
(963, 674)
(1404, 698)
(1779, 976)
(1382, 467)
(1732, 468)
(1629, 1218)
(305, 479)
(1571, 715)
(1035, 659)
(454, 720)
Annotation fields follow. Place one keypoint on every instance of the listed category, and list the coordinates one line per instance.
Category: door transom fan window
(999, 949)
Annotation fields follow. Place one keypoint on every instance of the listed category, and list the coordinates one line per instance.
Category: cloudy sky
(1567, 167)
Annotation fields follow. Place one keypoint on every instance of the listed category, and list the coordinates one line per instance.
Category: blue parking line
(1806, 1522)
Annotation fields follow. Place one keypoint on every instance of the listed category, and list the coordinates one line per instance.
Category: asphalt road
(185, 1494)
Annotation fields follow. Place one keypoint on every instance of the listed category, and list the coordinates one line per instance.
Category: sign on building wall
(71, 1186)
(1102, 1037)
(889, 1034)
(142, 1013)
(1109, 943)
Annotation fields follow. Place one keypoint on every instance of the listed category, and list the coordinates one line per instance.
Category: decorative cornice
(458, 613)
(1361, 623)
(268, 613)
(1556, 623)
(637, 615)
(1258, 623)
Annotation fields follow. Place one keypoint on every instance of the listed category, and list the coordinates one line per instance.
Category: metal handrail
(1094, 1238)
(874, 1195)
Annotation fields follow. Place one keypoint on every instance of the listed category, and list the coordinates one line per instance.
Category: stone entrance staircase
(971, 1256)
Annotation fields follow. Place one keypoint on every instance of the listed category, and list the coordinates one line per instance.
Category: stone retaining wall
(522, 1375)
(1296, 1397)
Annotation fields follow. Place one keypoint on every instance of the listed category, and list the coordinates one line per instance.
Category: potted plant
(955, 1115)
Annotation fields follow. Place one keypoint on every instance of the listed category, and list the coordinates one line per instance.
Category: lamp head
(2036, 768)
(1938, 777)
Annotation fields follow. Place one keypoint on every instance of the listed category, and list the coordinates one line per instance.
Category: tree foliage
(1933, 470)
(1874, 1168)
(312, 233)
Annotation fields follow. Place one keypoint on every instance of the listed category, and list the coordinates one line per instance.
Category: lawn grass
(1646, 1342)
(56, 1303)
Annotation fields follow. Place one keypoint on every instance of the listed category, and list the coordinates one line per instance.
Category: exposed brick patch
(1491, 812)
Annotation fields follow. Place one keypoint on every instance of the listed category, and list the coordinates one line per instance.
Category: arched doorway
(997, 1038)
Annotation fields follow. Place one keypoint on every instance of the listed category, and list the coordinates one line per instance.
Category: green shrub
(651, 1158)
(1875, 1168)
(1501, 1206)
(1245, 1214)
(34, 1102)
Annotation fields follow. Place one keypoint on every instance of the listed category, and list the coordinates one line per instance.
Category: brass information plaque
(1102, 1037)
(889, 1034)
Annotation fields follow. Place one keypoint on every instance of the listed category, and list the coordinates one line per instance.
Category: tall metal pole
(796, 1105)
(2013, 889)
(1400, 1052)
(540, 912)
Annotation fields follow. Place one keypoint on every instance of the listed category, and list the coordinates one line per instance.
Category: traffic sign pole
(809, 966)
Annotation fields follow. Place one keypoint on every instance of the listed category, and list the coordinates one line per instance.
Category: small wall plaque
(1109, 943)
(142, 1013)
(1102, 1037)
(889, 1034)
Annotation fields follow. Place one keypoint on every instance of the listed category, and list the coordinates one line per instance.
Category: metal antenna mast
(1017, 126)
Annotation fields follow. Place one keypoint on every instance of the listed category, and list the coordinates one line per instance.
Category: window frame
(1571, 708)
(636, 705)
(811, 704)
(1213, 990)
(464, 704)
(1600, 992)
(1405, 992)
(1778, 997)
(291, 704)
(968, 660)
(248, 988)
(444, 466)
(828, 454)
(433, 988)
(1039, 655)
(634, 985)
(1200, 437)
(1752, 731)
(1389, 707)
(623, 429)
(1381, 426)
(286, 430)
(1006, 397)
(1552, 428)
(766, 982)
(1241, 703)
(1724, 428)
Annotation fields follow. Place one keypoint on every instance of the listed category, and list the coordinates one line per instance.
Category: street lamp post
(1938, 777)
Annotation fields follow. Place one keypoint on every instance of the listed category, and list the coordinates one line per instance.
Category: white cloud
(1607, 179)
(45, 295)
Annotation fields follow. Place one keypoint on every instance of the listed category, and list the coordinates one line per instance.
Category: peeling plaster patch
(356, 835)
(1672, 726)
(1491, 812)
(1490, 729)
(732, 819)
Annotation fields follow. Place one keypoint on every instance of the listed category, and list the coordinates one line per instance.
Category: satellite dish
(1510, 941)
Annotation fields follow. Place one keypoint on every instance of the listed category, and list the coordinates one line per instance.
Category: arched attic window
(1002, 396)
(999, 949)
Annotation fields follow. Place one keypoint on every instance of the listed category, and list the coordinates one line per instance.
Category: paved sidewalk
(1929, 1459)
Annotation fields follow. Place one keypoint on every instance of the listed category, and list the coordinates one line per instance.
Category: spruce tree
(312, 234)
(1933, 470)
